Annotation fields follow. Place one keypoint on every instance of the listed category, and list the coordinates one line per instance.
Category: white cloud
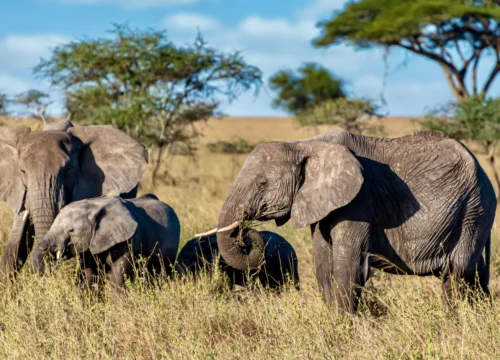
(184, 21)
(130, 3)
(11, 84)
(30, 45)
(256, 26)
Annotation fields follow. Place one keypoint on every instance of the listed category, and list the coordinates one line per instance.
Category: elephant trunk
(238, 256)
(44, 204)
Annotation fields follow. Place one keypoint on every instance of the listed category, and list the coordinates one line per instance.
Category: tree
(146, 85)
(36, 102)
(476, 119)
(311, 85)
(456, 34)
(3, 104)
(349, 114)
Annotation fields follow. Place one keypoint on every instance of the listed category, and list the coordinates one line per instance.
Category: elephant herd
(418, 205)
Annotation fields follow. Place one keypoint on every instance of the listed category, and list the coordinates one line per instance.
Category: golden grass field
(401, 317)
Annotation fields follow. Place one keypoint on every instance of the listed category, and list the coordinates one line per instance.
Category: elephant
(281, 264)
(110, 233)
(418, 205)
(42, 171)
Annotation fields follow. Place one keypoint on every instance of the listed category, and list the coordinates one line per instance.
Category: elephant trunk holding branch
(43, 171)
(419, 204)
(113, 233)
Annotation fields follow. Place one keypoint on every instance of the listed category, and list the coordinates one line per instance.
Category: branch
(474, 73)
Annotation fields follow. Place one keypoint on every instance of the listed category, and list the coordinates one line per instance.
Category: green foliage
(476, 119)
(311, 85)
(455, 34)
(146, 85)
(349, 114)
(35, 101)
(238, 146)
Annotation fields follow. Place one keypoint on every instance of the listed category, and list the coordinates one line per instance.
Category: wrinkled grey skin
(419, 204)
(44, 170)
(281, 264)
(110, 233)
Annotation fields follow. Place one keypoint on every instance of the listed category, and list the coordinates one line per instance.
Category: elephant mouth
(64, 252)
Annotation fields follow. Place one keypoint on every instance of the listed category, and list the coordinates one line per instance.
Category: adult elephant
(419, 204)
(44, 170)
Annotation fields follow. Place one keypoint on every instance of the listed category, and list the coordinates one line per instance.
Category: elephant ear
(114, 224)
(11, 184)
(331, 179)
(111, 162)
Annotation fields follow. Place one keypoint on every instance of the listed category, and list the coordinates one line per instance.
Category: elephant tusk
(25, 216)
(59, 254)
(207, 233)
(230, 227)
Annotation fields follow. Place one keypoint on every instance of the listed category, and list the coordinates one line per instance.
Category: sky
(272, 34)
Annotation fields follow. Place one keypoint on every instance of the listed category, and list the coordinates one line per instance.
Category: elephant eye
(261, 180)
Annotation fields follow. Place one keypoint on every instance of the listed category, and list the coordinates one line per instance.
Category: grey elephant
(419, 204)
(111, 233)
(280, 266)
(43, 171)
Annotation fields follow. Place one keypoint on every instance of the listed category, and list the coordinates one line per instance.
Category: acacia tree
(455, 34)
(140, 82)
(36, 103)
(349, 114)
(305, 88)
(475, 119)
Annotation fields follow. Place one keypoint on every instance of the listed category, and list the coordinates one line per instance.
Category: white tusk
(58, 254)
(207, 233)
(25, 216)
(230, 227)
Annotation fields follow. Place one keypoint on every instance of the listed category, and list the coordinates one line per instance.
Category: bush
(238, 146)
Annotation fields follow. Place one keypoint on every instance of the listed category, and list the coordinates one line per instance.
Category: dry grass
(50, 318)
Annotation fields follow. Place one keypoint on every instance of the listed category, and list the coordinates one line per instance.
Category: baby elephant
(280, 261)
(110, 233)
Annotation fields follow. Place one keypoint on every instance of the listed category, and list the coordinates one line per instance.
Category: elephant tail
(487, 254)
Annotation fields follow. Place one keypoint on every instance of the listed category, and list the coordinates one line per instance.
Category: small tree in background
(147, 86)
(349, 114)
(476, 119)
(310, 86)
(456, 35)
(35, 102)
(3, 104)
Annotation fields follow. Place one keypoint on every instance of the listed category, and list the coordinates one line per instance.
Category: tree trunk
(157, 165)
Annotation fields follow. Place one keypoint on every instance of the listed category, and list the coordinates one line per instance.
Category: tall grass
(401, 317)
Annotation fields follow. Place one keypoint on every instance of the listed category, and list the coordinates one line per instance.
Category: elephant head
(304, 181)
(44, 171)
(93, 225)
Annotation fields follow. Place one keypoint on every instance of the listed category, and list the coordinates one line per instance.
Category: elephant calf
(110, 233)
(280, 261)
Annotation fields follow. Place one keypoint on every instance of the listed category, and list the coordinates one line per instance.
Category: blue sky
(273, 34)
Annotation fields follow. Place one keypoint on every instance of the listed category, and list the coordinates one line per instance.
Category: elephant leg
(121, 267)
(467, 270)
(341, 262)
(18, 246)
(91, 270)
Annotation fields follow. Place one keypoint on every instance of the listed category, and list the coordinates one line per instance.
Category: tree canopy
(306, 88)
(35, 102)
(145, 84)
(348, 113)
(456, 34)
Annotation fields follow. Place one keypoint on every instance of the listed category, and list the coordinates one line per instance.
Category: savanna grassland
(401, 317)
